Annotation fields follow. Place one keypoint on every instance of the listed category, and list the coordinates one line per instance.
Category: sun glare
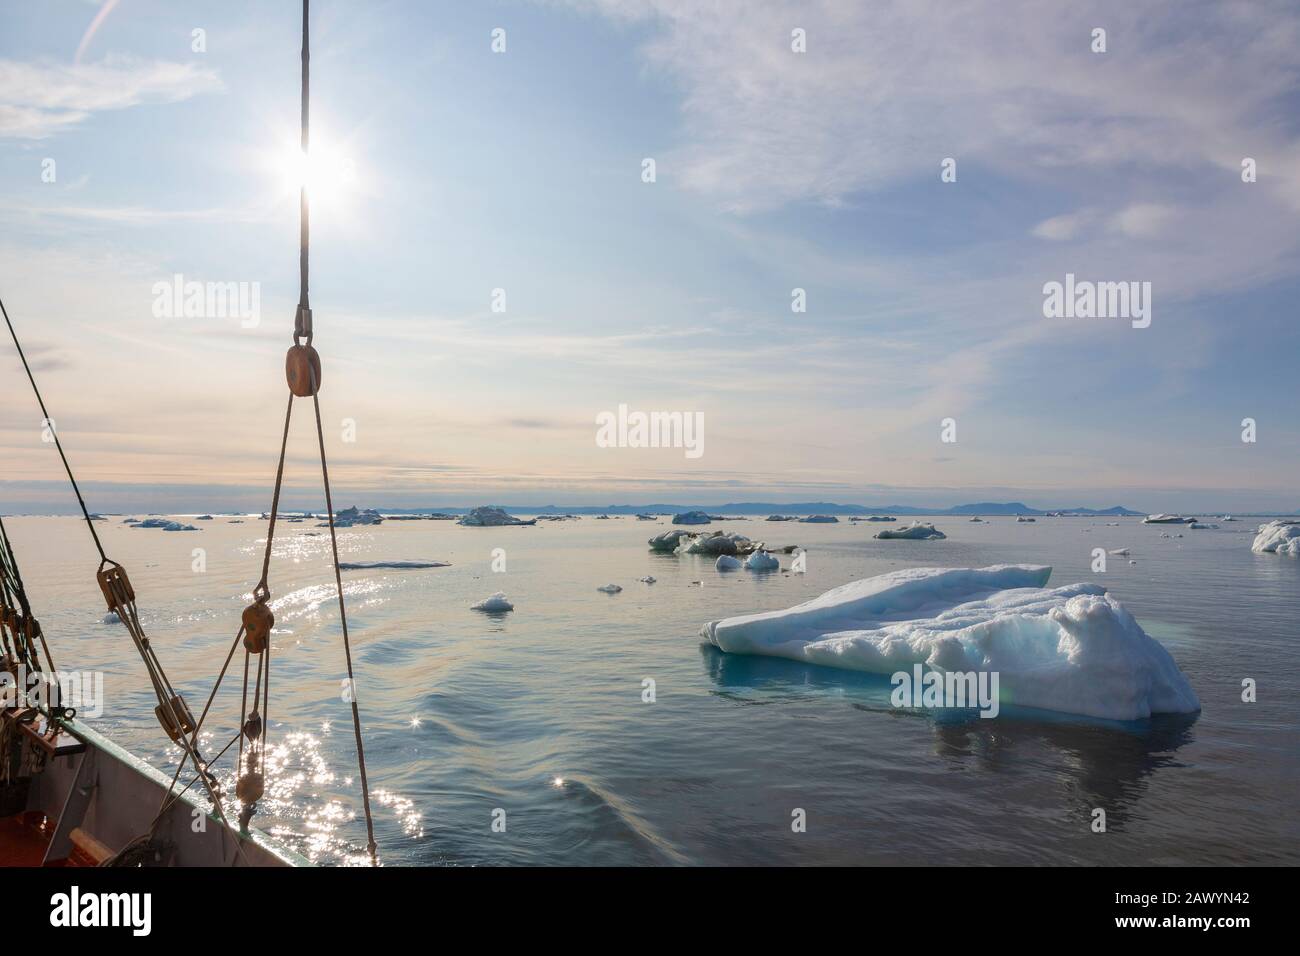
(328, 173)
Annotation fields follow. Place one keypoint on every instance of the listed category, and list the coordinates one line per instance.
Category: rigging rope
(303, 372)
(54, 432)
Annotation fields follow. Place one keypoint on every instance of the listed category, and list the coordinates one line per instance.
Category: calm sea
(536, 718)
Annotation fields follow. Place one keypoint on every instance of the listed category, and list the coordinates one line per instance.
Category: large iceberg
(490, 517)
(1073, 649)
(915, 530)
(1167, 519)
(1278, 537)
(692, 517)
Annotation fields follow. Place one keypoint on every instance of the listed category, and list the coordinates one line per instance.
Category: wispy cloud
(41, 98)
(886, 90)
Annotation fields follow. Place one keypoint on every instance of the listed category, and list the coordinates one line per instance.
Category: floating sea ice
(1167, 519)
(1023, 520)
(496, 602)
(719, 543)
(692, 517)
(727, 563)
(668, 540)
(1278, 537)
(610, 589)
(761, 561)
(488, 516)
(1073, 649)
(165, 524)
(916, 530)
(648, 579)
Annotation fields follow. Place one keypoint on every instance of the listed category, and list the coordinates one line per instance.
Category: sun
(327, 171)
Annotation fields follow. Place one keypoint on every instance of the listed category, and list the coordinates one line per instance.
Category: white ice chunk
(727, 563)
(496, 602)
(719, 543)
(1278, 537)
(762, 561)
(668, 540)
(1073, 649)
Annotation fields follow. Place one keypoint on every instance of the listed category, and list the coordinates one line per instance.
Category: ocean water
(536, 717)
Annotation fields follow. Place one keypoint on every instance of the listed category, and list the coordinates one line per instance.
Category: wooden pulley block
(258, 621)
(182, 712)
(111, 578)
(250, 788)
(301, 363)
(253, 726)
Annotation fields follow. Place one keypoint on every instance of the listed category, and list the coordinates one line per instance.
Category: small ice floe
(1073, 649)
(203, 518)
(667, 540)
(1167, 519)
(646, 518)
(1119, 551)
(820, 519)
(761, 561)
(648, 579)
(720, 542)
(610, 589)
(1132, 562)
(692, 517)
(1023, 520)
(915, 531)
(561, 517)
(111, 618)
(727, 563)
(496, 603)
(879, 518)
(978, 519)
(781, 518)
(1227, 518)
(165, 524)
(390, 565)
(1278, 537)
(488, 516)
(1200, 526)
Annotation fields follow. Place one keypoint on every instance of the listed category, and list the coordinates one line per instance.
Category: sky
(444, 170)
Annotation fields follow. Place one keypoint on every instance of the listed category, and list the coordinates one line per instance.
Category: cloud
(1142, 220)
(1067, 226)
(886, 90)
(39, 99)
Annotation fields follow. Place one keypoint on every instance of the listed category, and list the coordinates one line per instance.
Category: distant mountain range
(795, 508)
